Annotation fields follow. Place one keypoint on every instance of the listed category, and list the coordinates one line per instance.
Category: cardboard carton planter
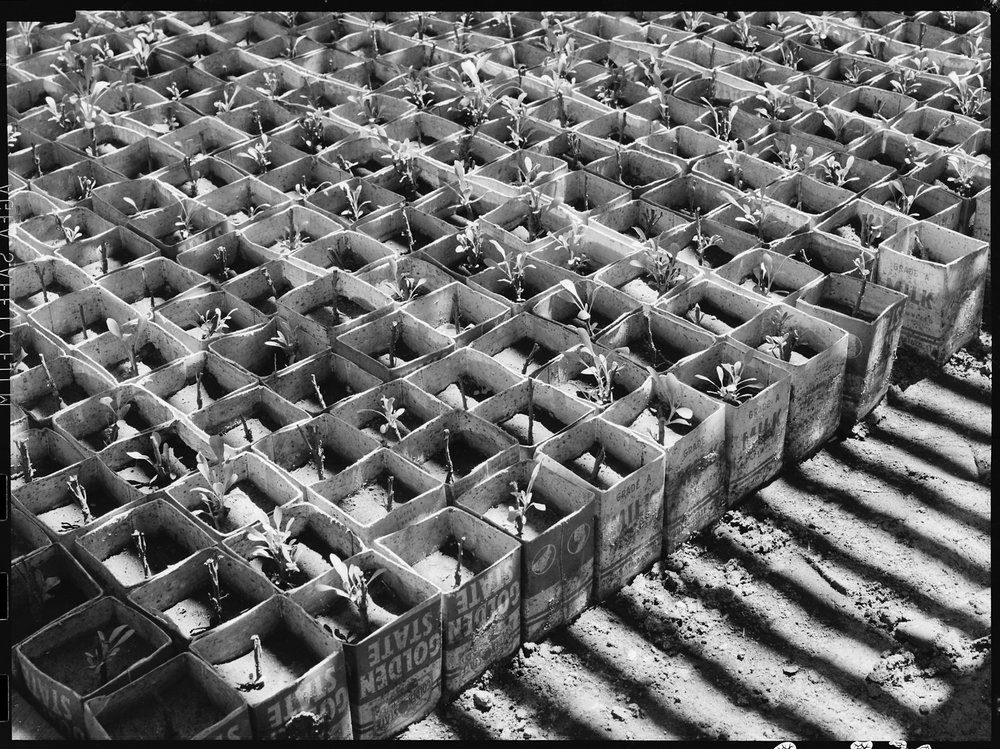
(554, 525)
(308, 535)
(773, 274)
(335, 378)
(113, 250)
(44, 586)
(459, 449)
(66, 502)
(380, 494)
(247, 416)
(655, 339)
(179, 227)
(820, 250)
(223, 258)
(312, 134)
(182, 699)
(683, 145)
(913, 198)
(207, 589)
(198, 179)
(576, 150)
(26, 533)
(52, 231)
(352, 200)
(588, 193)
(150, 345)
(350, 251)
(695, 466)
(266, 349)
(756, 412)
(42, 159)
(153, 461)
(38, 453)
(936, 126)
(406, 278)
(45, 390)
(394, 345)
(310, 452)
(847, 129)
(150, 284)
(197, 321)
(585, 305)
(265, 285)
(38, 282)
(807, 195)
(716, 306)
(100, 140)
(244, 200)
(689, 195)
(260, 155)
(393, 651)
(29, 344)
(464, 379)
(122, 560)
(159, 119)
(301, 179)
(147, 194)
(625, 473)
(749, 173)
(648, 274)
(57, 664)
(75, 183)
(119, 414)
(141, 158)
(814, 353)
(334, 302)
(478, 570)
(404, 229)
(525, 343)
(282, 684)
(458, 312)
(943, 273)
(863, 223)
(389, 411)
(291, 230)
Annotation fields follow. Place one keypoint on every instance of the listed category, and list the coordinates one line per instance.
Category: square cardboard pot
(224, 258)
(458, 312)
(369, 345)
(56, 671)
(81, 315)
(657, 339)
(182, 698)
(45, 390)
(367, 410)
(46, 451)
(769, 273)
(336, 378)
(628, 519)
(816, 368)
(755, 430)
(723, 306)
(480, 589)
(557, 544)
(152, 283)
(99, 420)
(695, 468)
(195, 381)
(302, 667)
(263, 411)
(120, 248)
(525, 343)
(152, 345)
(605, 304)
(110, 554)
(263, 287)
(264, 350)
(350, 251)
(393, 671)
(332, 303)
(358, 496)
(184, 443)
(187, 318)
(465, 370)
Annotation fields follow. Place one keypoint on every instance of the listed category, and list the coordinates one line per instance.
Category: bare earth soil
(849, 599)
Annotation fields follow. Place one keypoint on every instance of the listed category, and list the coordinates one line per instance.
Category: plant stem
(661, 425)
(246, 429)
(51, 382)
(319, 393)
(458, 565)
(41, 279)
(258, 656)
(140, 545)
(461, 391)
(83, 321)
(197, 390)
(601, 455)
(531, 411)
(861, 296)
(335, 281)
(27, 470)
(393, 339)
(447, 456)
(531, 355)
(390, 492)
(456, 314)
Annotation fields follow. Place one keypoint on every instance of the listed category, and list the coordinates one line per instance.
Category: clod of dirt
(528, 648)
(925, 634)
(983, 456)
(617, 713)
(482, 701)
(790, 670)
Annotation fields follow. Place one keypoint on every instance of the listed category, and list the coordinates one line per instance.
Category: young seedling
(27, 469)
(602, 367)
(967, 93)
(535, 347)
(314, 443)
(355, 205)
(259, 154)
(871, 230)
(531, 411)
(213, 322)
(470, 247)
(108, 646)
(602, 455)
(162, 457)
(119, 408)
(139, 539)
(257, 677)
(863, 265)
(584, 305)
(129, 341)
(512, 270)
(284, 341)
(677, 415)
(903, 201)
(86, 185)
(752, 213)
(220, 479)
(368, 107)
(40, 272)
(458, 560)
(354, 586)
(463, 189)
(247, 434)
(79, 493)
(70, 233)
(523, 501)
(184, 223)
(395, 330)
(51, 383)
(782, 342)
(661, 264)
(449, 465)
(774, 104)
(722, 120)
(703, 241)
(228, 101)
(276, 549)
(731, 386)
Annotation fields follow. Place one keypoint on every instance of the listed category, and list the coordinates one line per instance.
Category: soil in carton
(342, 620)
(846, 309)
(400, 242)
(53, 290)
(333, 463)
(48, 404)
(546, 425)
(404, 354)
(659, 358)
(643, 289)
(441, 564)
(92, 330)
(147, 358)
(647, 423)
(800, 353)
(475, 393)
(283, 660)
(346, 311)
(585, 388)
(713, 256)
(333, 390)
(312, 554)
(409, 420)
(234, 267)
(179, 710)
(161, 552)
(185, 399)
(516, 356)
(247, 503)
(267, 300)
(69, 663)
(69, 515)
(710, 310)
(259, 421)
(37, 610)
(368, 504)
(464, 459)
(153, 298)
(194, 613)
(133, 424)
(535, 523)
(612, 469)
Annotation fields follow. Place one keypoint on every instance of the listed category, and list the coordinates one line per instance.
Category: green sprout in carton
(523, 501)
(108, 646)
(276, 549)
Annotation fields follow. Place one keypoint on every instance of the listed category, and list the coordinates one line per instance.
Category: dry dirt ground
(849, 599)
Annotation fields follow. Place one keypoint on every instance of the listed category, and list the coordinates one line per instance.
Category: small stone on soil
(617, 713)
(482, 701)
(790, 670)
